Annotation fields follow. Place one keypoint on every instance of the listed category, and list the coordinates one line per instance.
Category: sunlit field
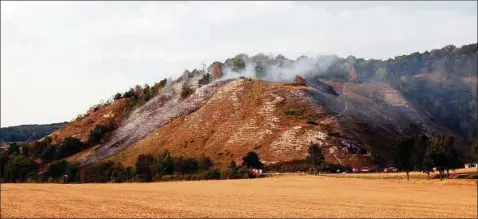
(281, 196)
(466, 172)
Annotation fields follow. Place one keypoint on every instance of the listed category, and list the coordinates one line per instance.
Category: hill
(28, 132)
(352, 107)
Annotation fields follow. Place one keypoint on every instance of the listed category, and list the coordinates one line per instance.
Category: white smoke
(284, 71)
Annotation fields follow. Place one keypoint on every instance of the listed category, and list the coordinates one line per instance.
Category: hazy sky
(60, 58)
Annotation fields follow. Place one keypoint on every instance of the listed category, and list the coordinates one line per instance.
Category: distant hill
(353, 108)
(28, 132)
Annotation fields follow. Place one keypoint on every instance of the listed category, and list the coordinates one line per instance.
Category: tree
(231, 172)
(70, 146)
(452, 160)
(56, 170)
(143, 168)
(3, 163)
(206, 79)
(186, 91)
(238, 64)
(251, 160)
(205, 163)
(117, 96)
(260, 70)
(436, 152)
(315, 157)
(13, 148)
(474, 151)
(162, 164)
(381, 73)
(19, 167)
(96, 134)
(163, 83)
(130, 93)
(185, 165)
(427, 165)
(420, 149)
(147, 93)
(404, 148)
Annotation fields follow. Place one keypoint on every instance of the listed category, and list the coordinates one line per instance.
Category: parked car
(390, 169)
(365, 169)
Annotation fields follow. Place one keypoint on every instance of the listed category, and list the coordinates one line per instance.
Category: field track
(283, 196)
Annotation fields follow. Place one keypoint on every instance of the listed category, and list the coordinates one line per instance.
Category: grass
(282, 196)
(402, 175)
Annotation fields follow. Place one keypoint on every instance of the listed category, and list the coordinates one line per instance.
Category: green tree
(206, 79)
(403, 154)
(143, 168)
(3, 163)
(315, 157)
(238, 64)
(19, 167)
(162, 164)
(55, 170)
(205, 163)
(96, 134)
(251, 160)
(381, 73)
(231, 172)
(186, 91)
(163, 83)
(474, 151)
(13, 148)
(117, 96)
(452, 160)
(260, 70)
(427, 165)
(147, 95)
(185, 165)
(70, 146)
(130, 94)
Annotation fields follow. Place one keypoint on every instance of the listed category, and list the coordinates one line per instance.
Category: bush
(56, 170)
(210, 174)
(186, 91)
(69, 147)
(251, 160)
(117, 96)
(96, 135)
(206, 79)
(130, 93)
(143, 168)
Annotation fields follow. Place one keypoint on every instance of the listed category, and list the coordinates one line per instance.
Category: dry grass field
(402, 175)
(282, 196)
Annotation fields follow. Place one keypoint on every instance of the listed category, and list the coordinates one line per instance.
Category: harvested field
(282, 196)
(413, 175)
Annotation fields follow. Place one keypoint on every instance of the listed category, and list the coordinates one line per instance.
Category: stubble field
(282, 196)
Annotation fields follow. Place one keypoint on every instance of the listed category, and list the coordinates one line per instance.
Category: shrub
(143, 168)
(210, 174)
(117, 96)
(185, 165)
(96, 135)
(251, 160)
(56, 170)
(186, 91)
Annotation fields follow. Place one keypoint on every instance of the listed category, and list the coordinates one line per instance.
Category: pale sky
(60, 58)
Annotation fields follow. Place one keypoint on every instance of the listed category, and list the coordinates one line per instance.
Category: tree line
(17, 165)
(22, 161)
(425, 154)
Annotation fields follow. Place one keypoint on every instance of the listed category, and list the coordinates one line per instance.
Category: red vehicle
(365, 169)
(390, 169)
